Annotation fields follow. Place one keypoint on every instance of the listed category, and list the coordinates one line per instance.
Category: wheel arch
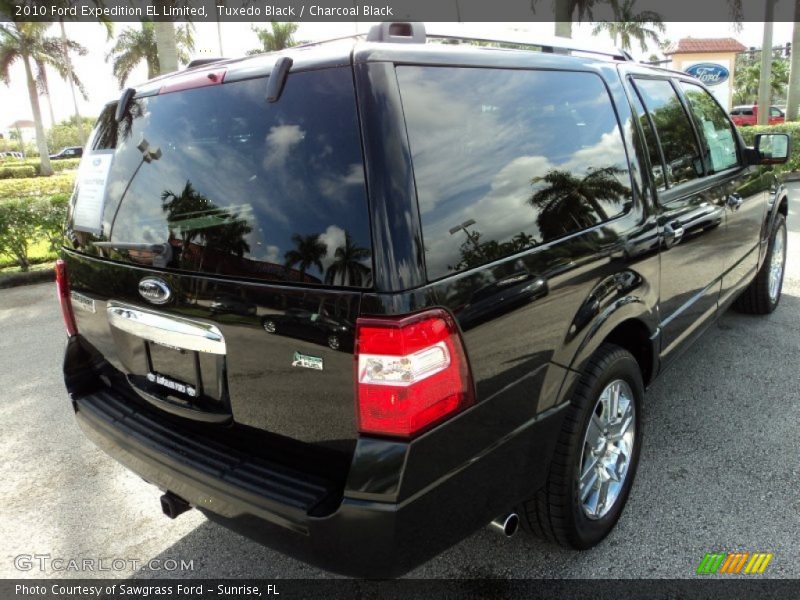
(628, 323)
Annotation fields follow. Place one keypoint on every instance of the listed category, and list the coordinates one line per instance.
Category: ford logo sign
(709, 73)
(154, 290)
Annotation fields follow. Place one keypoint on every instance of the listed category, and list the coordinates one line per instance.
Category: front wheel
(761, 297)
(596, 455)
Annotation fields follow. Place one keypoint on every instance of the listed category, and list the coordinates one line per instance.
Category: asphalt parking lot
(719, 472)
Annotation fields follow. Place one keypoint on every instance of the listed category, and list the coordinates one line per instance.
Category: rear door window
(238, 186)
(506, 160)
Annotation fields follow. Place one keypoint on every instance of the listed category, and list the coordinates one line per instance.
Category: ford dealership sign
(709, 73)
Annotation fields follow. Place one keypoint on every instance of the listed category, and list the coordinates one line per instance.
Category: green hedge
(36, 187)
(25, 222)
(793, 128)
(33, 167)
(17, 171)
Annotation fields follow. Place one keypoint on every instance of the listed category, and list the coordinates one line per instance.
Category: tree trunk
(41, 141)
(764, 101)
(793, 99)
(50, 108)
(563, 10)
(167, 49)
(78, 120)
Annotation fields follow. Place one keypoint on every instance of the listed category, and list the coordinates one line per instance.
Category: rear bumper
(276, 506)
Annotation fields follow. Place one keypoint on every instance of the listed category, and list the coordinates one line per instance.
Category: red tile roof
(696, 45)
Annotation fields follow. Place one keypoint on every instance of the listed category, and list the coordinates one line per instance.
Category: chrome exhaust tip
(507, 525)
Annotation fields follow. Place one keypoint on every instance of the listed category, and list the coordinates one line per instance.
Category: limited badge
(307, 362)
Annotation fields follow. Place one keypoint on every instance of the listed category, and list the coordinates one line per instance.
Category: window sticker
(92, 177)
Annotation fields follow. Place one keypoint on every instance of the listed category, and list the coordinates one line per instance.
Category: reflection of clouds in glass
(334, 186)
(332, 237)
(479, 136)
(273, 255)
(280, 141)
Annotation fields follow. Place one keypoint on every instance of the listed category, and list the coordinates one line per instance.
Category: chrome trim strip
(166, 329)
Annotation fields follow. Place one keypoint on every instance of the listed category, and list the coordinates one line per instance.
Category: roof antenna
(124, 101)
(277, 79)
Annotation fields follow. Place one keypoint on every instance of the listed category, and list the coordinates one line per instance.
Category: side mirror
(771, 148)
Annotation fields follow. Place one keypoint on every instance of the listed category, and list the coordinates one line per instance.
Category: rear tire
(568, 510)
(763, 294)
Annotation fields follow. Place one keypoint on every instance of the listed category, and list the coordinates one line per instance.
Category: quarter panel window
(507, 160)
(716, 131)
(678, 143)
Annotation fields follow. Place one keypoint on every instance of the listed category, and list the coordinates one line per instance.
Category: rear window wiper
(162, 252)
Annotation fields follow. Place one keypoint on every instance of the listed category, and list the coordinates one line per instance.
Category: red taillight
(62, 286)
(411, 373)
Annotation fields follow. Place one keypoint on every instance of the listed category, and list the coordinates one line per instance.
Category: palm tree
(568, 203)
(278, 37)
(764, 99)
(745, 85)
(28, 42)
(563, 11)
(136, 45)
(793, 98)
(628, 25)
(348, 263)
(308, 252)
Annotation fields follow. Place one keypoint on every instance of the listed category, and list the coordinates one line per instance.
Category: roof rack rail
(416, 33)
(546, 44)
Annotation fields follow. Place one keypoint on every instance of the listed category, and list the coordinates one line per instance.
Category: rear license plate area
(184, 373)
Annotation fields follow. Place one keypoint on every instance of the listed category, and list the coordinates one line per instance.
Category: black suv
(522, 241)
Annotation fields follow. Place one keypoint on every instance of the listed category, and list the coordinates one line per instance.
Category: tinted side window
(674, 129)
(716, 130)
(651, 142)
(242, 187)
(775, 112)
(506, 160)
(748, 112)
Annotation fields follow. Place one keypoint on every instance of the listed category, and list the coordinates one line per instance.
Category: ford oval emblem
(709, 73)
(154, 290)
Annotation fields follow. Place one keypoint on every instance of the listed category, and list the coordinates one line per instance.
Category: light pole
(463, 227)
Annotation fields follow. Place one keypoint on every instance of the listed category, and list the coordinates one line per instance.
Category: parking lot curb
(31, 277)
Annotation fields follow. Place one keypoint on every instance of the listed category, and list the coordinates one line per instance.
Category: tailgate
(218, 245)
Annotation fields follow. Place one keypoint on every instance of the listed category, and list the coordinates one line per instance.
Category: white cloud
(334, 186)
(280, 142)
(333, 237)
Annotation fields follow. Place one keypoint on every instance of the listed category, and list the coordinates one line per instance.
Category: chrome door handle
(734, 201)
(673, 232)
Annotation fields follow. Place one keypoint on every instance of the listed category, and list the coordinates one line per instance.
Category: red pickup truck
(748, 115)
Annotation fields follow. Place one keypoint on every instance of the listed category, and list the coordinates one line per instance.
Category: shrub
(17, 171)
(25, 221)
(42, 187)
(793, 129)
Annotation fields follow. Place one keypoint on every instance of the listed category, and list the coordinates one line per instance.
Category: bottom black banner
(285, 589)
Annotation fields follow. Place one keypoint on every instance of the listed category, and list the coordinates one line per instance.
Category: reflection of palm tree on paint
(308, 252)
(568, 203)
(348, 264)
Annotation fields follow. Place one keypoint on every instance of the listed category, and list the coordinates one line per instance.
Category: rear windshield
(235, 185)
